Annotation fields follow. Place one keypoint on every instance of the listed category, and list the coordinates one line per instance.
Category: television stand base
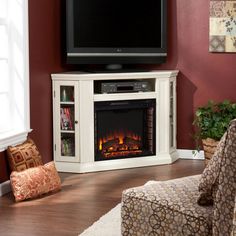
(114, 67)
(117, 68)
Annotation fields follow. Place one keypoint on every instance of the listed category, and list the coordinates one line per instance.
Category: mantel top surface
(80, 75)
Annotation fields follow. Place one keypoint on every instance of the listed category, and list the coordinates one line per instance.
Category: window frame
(15, 137)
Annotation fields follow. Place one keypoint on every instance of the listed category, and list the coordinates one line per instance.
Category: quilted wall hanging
(222, 26)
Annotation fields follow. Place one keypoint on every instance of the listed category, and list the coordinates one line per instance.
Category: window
(14, 72)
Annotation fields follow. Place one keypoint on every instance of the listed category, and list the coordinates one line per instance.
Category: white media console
(74, 99)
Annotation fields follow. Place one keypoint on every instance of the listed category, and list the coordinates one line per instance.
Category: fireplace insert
(124, 129)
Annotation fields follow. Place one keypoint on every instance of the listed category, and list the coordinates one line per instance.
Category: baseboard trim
(190, 154)
(5, 187)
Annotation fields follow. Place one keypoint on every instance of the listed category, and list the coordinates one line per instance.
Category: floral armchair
(196, 205)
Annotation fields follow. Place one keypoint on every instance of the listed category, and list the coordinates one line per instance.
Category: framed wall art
(222, 26)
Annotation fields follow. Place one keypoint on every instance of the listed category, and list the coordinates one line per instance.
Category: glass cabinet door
(172, 114)
(66, 122)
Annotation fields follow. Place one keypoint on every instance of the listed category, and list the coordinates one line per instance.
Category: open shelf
(124, 86)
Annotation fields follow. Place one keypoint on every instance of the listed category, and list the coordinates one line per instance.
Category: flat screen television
(116, 32)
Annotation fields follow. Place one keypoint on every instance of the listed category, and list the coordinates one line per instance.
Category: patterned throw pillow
(34, 182)
(24, 156)
(209, 180)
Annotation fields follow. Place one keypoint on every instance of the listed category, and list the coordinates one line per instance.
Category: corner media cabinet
(106, 121)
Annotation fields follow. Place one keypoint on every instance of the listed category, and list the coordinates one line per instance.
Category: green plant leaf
(212, 120)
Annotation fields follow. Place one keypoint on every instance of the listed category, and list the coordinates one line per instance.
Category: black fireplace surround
(124, 129)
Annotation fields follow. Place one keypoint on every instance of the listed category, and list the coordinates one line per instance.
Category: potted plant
(211, 122)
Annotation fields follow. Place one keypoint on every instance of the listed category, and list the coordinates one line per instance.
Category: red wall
(45, 58)
(203, 75)
(3, 168)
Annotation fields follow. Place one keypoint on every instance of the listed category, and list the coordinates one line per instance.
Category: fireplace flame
(120, 143)
(121, 139)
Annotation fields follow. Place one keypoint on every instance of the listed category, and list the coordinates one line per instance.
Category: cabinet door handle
(76, 121)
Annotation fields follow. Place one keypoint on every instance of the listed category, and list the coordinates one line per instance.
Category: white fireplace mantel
(80, 136)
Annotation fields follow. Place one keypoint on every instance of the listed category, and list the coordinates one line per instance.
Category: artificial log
(114, 143)
(132, 143)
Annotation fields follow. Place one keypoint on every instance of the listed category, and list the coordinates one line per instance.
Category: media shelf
(74, 99)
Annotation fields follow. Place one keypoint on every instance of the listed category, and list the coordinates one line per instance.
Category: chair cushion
(165, 208)
(34, 182)
(209, 180)
(224, 199)
(218, 182)
(24, 156)
(233, 233)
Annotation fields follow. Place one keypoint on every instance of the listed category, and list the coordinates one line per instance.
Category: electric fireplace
(124, 129)
(114, 130)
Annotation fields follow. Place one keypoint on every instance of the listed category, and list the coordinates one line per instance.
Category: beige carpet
(107, 225)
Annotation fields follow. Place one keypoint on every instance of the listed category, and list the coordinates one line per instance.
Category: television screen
(116, 31)
(117, 23)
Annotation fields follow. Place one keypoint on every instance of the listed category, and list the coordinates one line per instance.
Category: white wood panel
(86, 121)
(112, 164)
(84, 103)
(124, 96)
(114, 76)
(163, 117)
